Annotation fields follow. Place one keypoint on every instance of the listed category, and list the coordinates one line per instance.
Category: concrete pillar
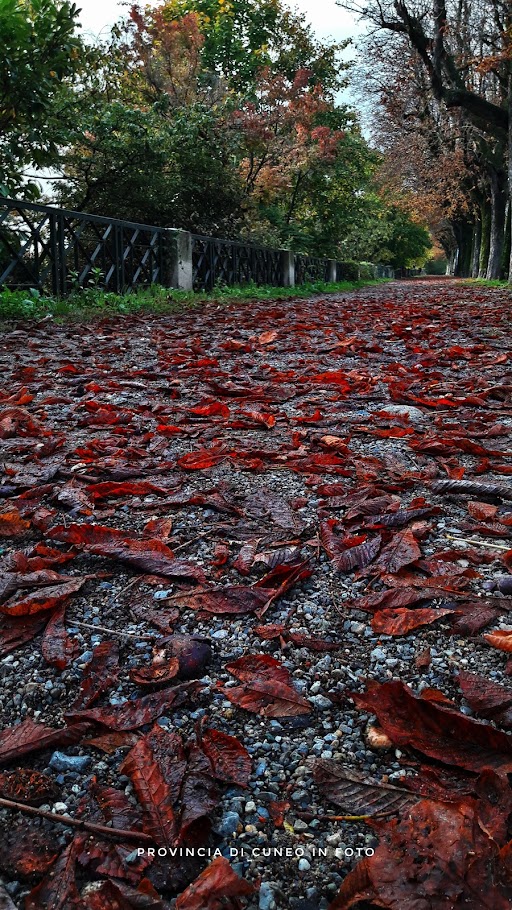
(179, 254)
(331, 270)
(287, 269)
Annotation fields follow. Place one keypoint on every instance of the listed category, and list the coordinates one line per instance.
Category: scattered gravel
(87, 364)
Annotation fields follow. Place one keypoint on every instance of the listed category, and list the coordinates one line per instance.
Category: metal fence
(310, 268)
(57, 250)
(217, 262)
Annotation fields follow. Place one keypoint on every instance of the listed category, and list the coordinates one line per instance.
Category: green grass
(91, 303)
(488, 283)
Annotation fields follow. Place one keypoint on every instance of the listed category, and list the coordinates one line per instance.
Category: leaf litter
(167, 484)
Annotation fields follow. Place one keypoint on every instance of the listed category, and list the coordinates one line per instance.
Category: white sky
(327, 19)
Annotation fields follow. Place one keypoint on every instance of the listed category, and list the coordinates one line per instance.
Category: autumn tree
(234, 40)
(222, 119)
(464, 53)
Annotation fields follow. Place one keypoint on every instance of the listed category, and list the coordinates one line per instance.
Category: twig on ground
(316, 816)
(479, 543)
(118, 834)
(89, 625)
(192, 540)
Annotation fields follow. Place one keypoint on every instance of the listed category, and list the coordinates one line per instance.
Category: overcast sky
(327, 19)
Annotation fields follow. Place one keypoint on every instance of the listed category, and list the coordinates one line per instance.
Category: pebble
(62, 762)
(378, 654)
(403, 410)
(304, 865)
(266, 897)
(321, 702)
(229, 823)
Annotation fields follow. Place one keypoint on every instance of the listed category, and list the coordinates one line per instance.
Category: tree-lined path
(255, 578)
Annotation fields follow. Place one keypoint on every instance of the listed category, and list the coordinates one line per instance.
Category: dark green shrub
(347, 271)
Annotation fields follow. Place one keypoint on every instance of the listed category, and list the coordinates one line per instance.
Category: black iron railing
(57, 250)
(310, 268)
(217, 262)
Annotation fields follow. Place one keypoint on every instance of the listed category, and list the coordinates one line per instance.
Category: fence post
(331, 271)
(287, 269)
(178, 271)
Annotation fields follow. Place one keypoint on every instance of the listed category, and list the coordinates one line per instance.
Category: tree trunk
(510, 153)
(477, 244)
(464, 234)
(485, 219)
(507, 243)
(497, 232)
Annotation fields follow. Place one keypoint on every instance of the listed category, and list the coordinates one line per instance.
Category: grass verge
(488, 283)
(90, 303)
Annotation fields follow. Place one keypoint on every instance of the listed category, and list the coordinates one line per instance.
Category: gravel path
(328, 403)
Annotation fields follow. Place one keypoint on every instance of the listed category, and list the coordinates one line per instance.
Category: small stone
(228, 824)
(403, 410)
(60, 807)
(377, 739)
(357, 627)
(321, 702)
(304, 865)
(62, 762)
(378, 654)
(266, 897)
(250, 807)
(300, 825)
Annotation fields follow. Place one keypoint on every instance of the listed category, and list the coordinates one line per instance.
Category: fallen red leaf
(58, 647)
(266, 688)
(434, 730)
(18, 630)
(46, 599)
(228, 599)
(156, 765)
(28, 736)
(401, 620)
(58, 889)
(133, 714)
(12, 524)
(501, 639)
(487, 698)
(218, 886)
(402, 550)
(151, 556)
(99, 674)
(437, 855)
(230, 760)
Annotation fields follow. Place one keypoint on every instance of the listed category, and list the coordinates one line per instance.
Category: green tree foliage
(216, 116)
(142, 166)
(239, 38)
(407, 242)
(39, 54)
